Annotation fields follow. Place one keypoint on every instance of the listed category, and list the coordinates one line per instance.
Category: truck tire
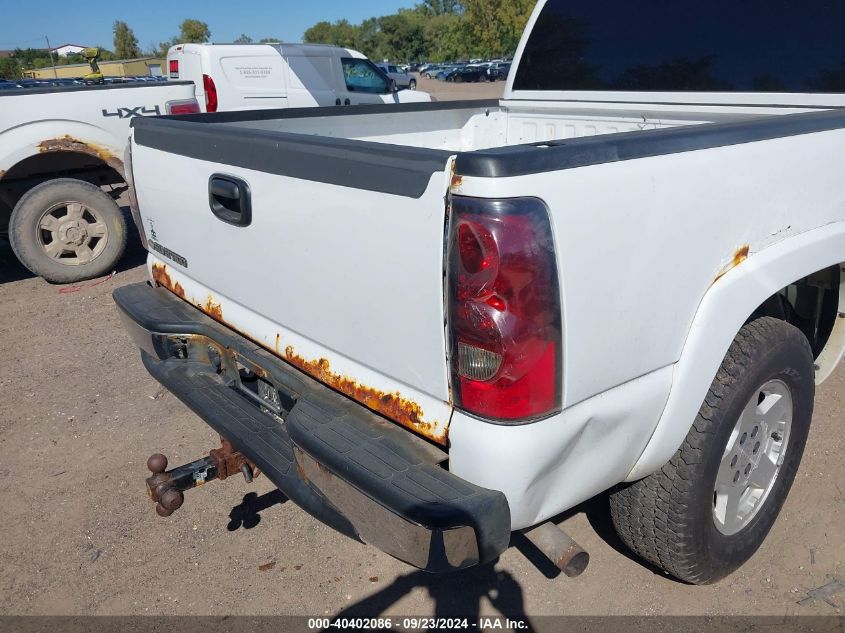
(705, 512)
(67, 230)
(412, 85)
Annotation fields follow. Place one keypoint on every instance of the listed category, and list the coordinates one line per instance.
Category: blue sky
(89, 22)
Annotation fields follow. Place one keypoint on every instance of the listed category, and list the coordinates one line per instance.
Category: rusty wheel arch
(63, 157)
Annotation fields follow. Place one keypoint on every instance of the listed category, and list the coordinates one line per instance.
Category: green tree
(439, 7)
(403, 36)
(493, 27)
(194, 31)
(270, 40)
(10, 68)
(340, 33)
(125, 42)
(444, 38)
(243, 39)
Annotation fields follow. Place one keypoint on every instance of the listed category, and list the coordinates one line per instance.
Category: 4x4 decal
(127, 113)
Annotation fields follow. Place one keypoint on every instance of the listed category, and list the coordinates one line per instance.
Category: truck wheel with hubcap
(711, 506)
(67, 230)
(412, 85)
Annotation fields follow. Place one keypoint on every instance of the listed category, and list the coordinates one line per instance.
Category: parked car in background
(402, 78)
(432, 71)
(467, 74)
(498, 71)
(268, 76)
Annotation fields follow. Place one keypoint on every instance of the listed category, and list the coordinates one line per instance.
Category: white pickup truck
(59, 148)
(434, 324)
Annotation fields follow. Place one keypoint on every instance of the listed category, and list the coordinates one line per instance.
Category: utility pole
(50, 50)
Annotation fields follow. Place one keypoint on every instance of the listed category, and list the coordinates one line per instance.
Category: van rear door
(248, 77)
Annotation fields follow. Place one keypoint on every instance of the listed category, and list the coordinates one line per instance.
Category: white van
(266, 76)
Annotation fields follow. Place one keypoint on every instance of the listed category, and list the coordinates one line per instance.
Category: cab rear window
(679, 45)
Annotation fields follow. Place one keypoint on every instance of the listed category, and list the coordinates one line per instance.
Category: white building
(68, 49)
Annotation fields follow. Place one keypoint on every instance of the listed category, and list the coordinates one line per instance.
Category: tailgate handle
(229, 199)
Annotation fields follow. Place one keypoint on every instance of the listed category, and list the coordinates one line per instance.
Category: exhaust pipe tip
(576, 564)
(560, 548)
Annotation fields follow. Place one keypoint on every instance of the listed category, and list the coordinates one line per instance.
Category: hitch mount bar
(167, 487)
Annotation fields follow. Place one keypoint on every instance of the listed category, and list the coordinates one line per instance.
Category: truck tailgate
(339, 271)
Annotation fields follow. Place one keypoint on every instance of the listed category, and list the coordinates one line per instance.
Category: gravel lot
(79, 416)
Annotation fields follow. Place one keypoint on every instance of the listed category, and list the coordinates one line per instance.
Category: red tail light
(210, 93)
(183, 106)
(503, 309)
(174, 68)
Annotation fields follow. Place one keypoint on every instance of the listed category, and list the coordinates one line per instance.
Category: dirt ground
(79, 415)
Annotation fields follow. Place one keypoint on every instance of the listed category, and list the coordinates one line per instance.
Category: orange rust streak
(391, 405)
(162, 278)
(457, 181)
(740, 256)
(212, 308)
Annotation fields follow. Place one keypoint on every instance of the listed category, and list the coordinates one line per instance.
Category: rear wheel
(67, 230)
(707, 511)
(412, 85)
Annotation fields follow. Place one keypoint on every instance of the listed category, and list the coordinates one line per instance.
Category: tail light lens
(503, 309)
(183, 106)
(210, 93)
(174, 68)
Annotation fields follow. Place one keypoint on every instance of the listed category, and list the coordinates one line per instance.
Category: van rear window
(680, 45)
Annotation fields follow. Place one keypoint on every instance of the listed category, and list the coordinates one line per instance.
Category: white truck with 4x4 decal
(435, 324)
(59, 149)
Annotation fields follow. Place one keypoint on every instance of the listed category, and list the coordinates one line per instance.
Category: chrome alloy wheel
(752, 457)
(72, 233)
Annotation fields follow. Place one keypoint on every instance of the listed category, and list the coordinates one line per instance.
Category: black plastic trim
(520, 160)
(406, 171)
(647, 102)
(63, 89)
(245, 116)
(393, 169)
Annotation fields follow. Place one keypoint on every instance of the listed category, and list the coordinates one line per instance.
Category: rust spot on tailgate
(739, 256)
(391, 405)
(68, 143)
(162, 278)
(455, 180)
(212, 308)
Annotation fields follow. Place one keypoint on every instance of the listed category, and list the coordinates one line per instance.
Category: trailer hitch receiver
(167, 487)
